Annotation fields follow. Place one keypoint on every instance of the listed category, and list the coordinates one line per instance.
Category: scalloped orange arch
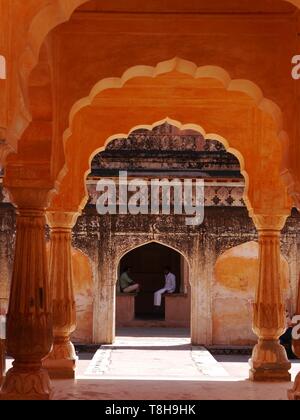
(242, 89)
(180, 65)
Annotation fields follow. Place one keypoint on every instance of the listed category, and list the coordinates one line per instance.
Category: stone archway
(248, 125)
(202, 104)
(40, 22)
(105, 298)
(233, 112)
(199, 86)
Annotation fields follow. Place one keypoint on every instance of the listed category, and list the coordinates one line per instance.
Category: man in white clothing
(170, 286)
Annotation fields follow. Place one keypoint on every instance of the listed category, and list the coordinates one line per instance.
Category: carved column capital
(269, 222)
(25, 198)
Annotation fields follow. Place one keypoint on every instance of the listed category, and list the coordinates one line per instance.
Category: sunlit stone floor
(160, 364)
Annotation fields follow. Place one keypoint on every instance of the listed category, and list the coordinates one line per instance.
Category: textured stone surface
(236, 274)
(223, 229)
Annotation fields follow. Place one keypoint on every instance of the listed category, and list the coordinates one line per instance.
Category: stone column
(29, 321)
(201, 282)
(294, 394)
(296, 343)
(269, 360)
(61, 362)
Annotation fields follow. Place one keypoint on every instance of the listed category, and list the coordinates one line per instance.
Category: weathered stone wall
(222, 230)
(100, 242)
(7, 240)
(236, 273)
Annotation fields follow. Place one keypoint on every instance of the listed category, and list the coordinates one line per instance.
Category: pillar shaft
(294, 394)
(29, 319)
(269, 360)
(61, 362)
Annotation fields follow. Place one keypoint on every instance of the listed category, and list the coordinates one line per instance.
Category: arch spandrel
(242, 123)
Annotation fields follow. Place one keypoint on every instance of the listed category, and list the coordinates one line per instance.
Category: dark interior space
(147, 264)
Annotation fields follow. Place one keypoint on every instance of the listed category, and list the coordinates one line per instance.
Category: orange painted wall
(236, 278)
(84, 296)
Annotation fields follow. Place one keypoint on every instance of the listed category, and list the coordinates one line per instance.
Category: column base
(61, 362)
(294, 394)
(26, 384)
(269, 363)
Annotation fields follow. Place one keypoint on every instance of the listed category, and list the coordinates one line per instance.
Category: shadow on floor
(104, 389)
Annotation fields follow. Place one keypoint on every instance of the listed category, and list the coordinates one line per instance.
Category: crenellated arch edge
(181, 66)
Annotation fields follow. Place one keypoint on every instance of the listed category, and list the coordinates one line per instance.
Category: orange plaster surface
(236, 279)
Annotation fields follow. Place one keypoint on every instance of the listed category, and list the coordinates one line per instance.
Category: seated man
(170, 286)
(126, 284)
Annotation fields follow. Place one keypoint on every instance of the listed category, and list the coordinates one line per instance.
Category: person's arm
(174, 282)
(128, 279)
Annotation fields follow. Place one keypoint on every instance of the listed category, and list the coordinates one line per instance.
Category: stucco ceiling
(190, 6)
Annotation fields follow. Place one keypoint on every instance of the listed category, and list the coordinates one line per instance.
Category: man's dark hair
(167, 268)
(126, 268)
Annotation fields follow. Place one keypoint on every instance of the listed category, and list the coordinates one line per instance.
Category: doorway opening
(147, 264)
